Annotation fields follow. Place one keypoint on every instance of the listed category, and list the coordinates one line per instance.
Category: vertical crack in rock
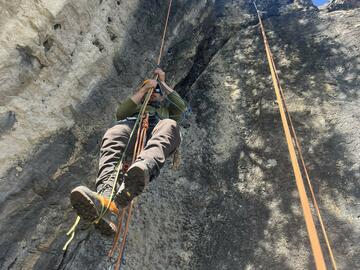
(7, 121)
(233, 204)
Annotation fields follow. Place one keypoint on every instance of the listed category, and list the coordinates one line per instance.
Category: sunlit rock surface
(233, 204)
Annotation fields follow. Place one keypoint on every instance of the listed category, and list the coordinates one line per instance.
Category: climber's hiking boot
(136, 178)
(89, 206)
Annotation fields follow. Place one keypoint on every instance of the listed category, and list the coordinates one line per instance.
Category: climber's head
(157, 94)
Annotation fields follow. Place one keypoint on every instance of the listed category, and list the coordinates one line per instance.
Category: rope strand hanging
(291, 138)
(139, 145)
(125, 215)
(299, 151)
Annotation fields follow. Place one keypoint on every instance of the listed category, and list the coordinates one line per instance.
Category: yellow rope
(72, 232)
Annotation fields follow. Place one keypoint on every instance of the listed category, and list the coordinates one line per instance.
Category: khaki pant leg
(112, 147)
(165, 138)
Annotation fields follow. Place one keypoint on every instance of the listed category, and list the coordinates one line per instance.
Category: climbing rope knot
(145, 122)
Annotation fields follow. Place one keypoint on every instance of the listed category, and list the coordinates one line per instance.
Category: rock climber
(165, 108)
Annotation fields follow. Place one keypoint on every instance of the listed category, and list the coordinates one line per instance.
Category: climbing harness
(142, 121)
(294, 148)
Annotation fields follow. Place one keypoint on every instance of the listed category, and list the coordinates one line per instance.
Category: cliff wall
(233, 204)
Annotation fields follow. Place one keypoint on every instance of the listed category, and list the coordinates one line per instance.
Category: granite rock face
(233, 204)
(343, 4)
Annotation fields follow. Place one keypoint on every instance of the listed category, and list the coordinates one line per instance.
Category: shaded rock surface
(343, 4)
(233, 204)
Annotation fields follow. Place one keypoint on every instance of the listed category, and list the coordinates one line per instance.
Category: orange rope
(298, 148)
(136, 144)
(145, 126)
(164, 33)
(314, 240)
(139, 145)
(121, 249)
(117, 235)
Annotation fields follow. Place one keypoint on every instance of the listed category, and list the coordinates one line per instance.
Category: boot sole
(105, 228)
(134, 185)
(86, 209)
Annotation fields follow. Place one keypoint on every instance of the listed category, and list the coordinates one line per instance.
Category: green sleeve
(126, 109)
(177, 106)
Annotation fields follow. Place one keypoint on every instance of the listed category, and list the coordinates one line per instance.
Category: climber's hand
(160, 73)
(149, 85)
(140, 92)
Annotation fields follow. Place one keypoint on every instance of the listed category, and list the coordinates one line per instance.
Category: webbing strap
(298, 148)
(313, 236)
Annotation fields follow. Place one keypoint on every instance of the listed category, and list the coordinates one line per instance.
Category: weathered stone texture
(343, 4)
(233, 204)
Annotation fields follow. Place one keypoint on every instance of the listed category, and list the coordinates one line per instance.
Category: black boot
(136, 179)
